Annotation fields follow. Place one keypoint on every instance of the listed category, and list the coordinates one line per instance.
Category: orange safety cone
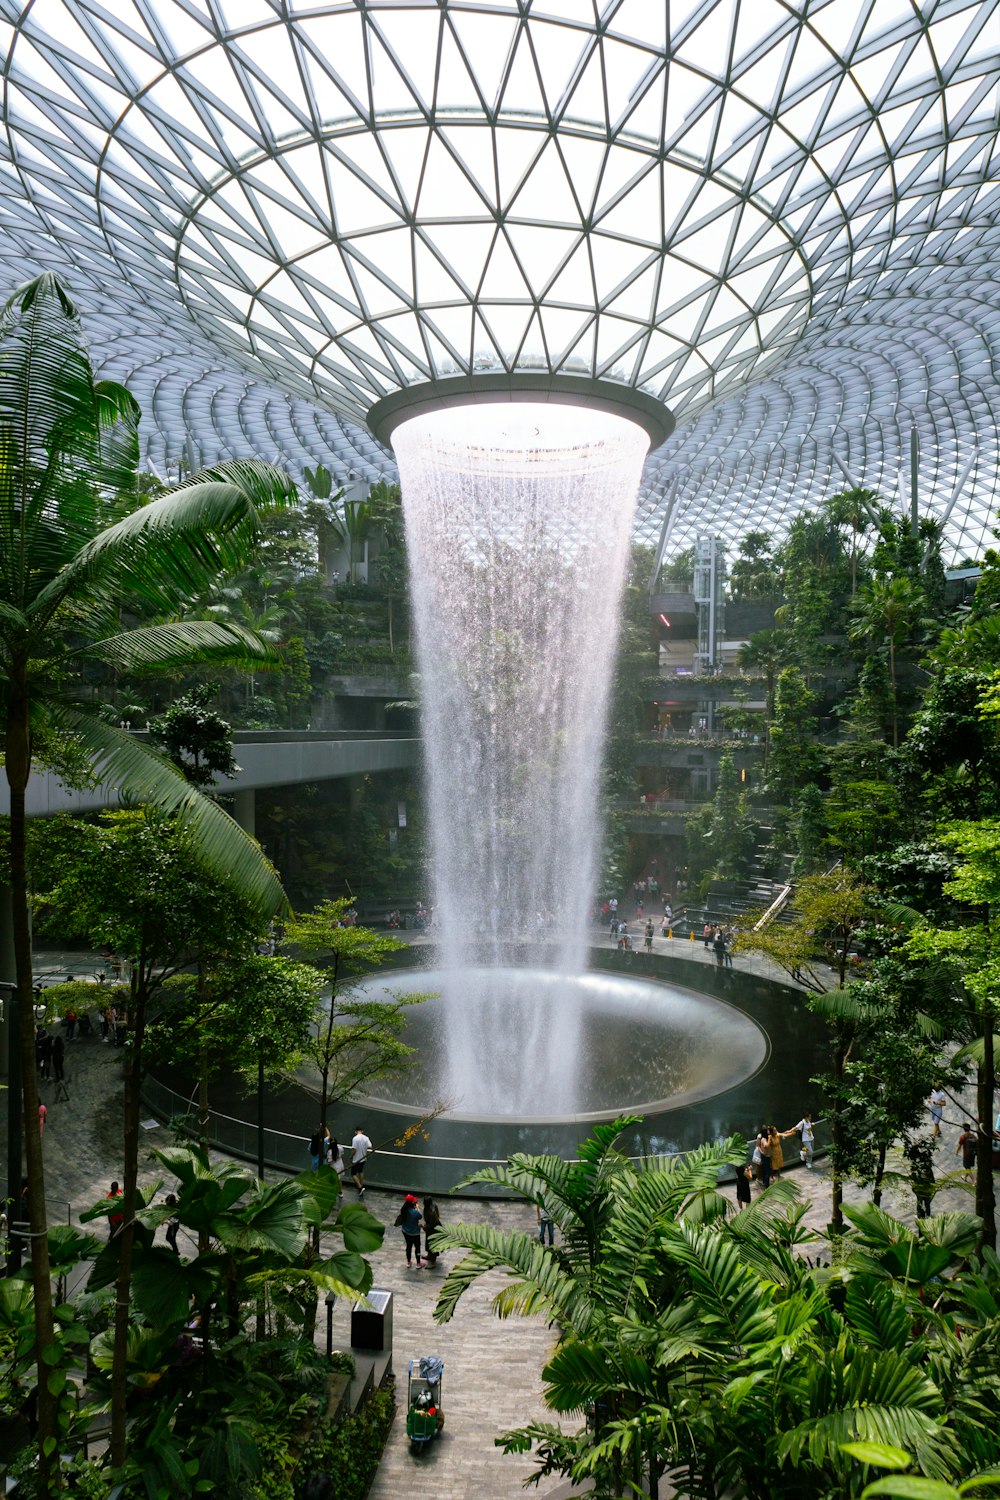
(670, 933)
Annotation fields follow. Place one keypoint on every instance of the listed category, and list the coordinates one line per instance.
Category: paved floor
(492, 1368)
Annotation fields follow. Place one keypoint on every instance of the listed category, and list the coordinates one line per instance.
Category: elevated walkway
(266, 758)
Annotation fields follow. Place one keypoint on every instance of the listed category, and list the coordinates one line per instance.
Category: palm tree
(698, 1339)
(67, 444)
(888, 609)
(610, 1218)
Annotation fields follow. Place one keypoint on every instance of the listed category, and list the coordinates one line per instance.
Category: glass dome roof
(778, 217)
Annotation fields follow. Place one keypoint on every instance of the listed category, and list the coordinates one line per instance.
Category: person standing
(432, 1223)
(649, 937)
(968, 1144)
(763, 1147)
(744, 1177)
(546, 1224)
(936, 1106)
(115, 1220)
(804, 1128)
(361, 1149)
(315, 1148)
(410, 1222)
(335, 1156)
(776, 1153)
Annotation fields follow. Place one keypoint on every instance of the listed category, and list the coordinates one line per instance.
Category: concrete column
(245, 811)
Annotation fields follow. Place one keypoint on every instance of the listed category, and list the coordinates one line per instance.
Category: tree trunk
(18, 767)
(126, 1235)
(985, 1086)
(836, 1142)
(892, 679)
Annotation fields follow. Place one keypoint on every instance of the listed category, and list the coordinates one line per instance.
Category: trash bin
(371, 1322)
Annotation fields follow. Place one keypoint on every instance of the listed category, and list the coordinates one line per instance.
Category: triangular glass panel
(708, 45)
(639, 214)
(406, 149)
(546, 195)
(580, 359)
(366, 154)
(463, 248)
(486, 40)
(502, 277)
(586, 102)
(557, 53)
(453, 326)
(584, 159)
(434, 282)
(615, 262)
(522, 93)
(473, 144)
(540, 250)
(615, 338)
(646, 107)
(377, 298)
(638, 298)
(516, 149)
(326, 276)
(563, 327)
(575, 282)
(530, 349)
(335, 48)
(455, 84)
(411, 36)
(355, 207)
(388, 253)
(496, 333)
(446, 191)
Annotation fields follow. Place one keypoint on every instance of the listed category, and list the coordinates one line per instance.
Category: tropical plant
(67, 444)
(698, 1341)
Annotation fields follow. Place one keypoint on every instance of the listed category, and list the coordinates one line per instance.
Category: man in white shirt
(361, 1149)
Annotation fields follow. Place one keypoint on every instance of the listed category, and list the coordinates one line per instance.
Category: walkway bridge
(266, 758)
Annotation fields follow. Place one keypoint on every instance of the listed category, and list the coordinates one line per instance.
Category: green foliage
(349, 1453)
(197, 740)
(795, 757)
(698, 1342)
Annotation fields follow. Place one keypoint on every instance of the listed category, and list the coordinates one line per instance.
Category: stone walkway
(492, 1368)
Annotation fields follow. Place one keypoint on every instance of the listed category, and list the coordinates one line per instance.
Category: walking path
(492, 1369)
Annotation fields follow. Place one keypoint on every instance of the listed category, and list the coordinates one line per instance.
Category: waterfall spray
(518, 520)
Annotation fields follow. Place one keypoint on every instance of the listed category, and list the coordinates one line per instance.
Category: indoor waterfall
(518, 521)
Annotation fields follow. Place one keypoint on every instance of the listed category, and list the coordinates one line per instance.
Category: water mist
(518, 521)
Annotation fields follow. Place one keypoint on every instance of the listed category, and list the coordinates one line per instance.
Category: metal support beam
(963, 480)
(668, 516)
(855, 484)
(914, 482)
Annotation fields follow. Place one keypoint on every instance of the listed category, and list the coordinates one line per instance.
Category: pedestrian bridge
(266, 758)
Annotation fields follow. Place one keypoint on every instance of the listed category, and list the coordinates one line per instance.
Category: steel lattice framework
(777, 216)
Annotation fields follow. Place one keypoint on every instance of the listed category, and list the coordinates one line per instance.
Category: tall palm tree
(67, 443)
(888, 609)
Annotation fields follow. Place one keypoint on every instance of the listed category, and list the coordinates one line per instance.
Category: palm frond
(558, 1293)
(179, 643)
(180, 541)
(129, 763)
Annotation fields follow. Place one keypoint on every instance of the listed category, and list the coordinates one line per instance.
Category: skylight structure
(776, 219)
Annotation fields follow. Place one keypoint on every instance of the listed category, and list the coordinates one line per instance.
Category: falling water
(518, 520)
